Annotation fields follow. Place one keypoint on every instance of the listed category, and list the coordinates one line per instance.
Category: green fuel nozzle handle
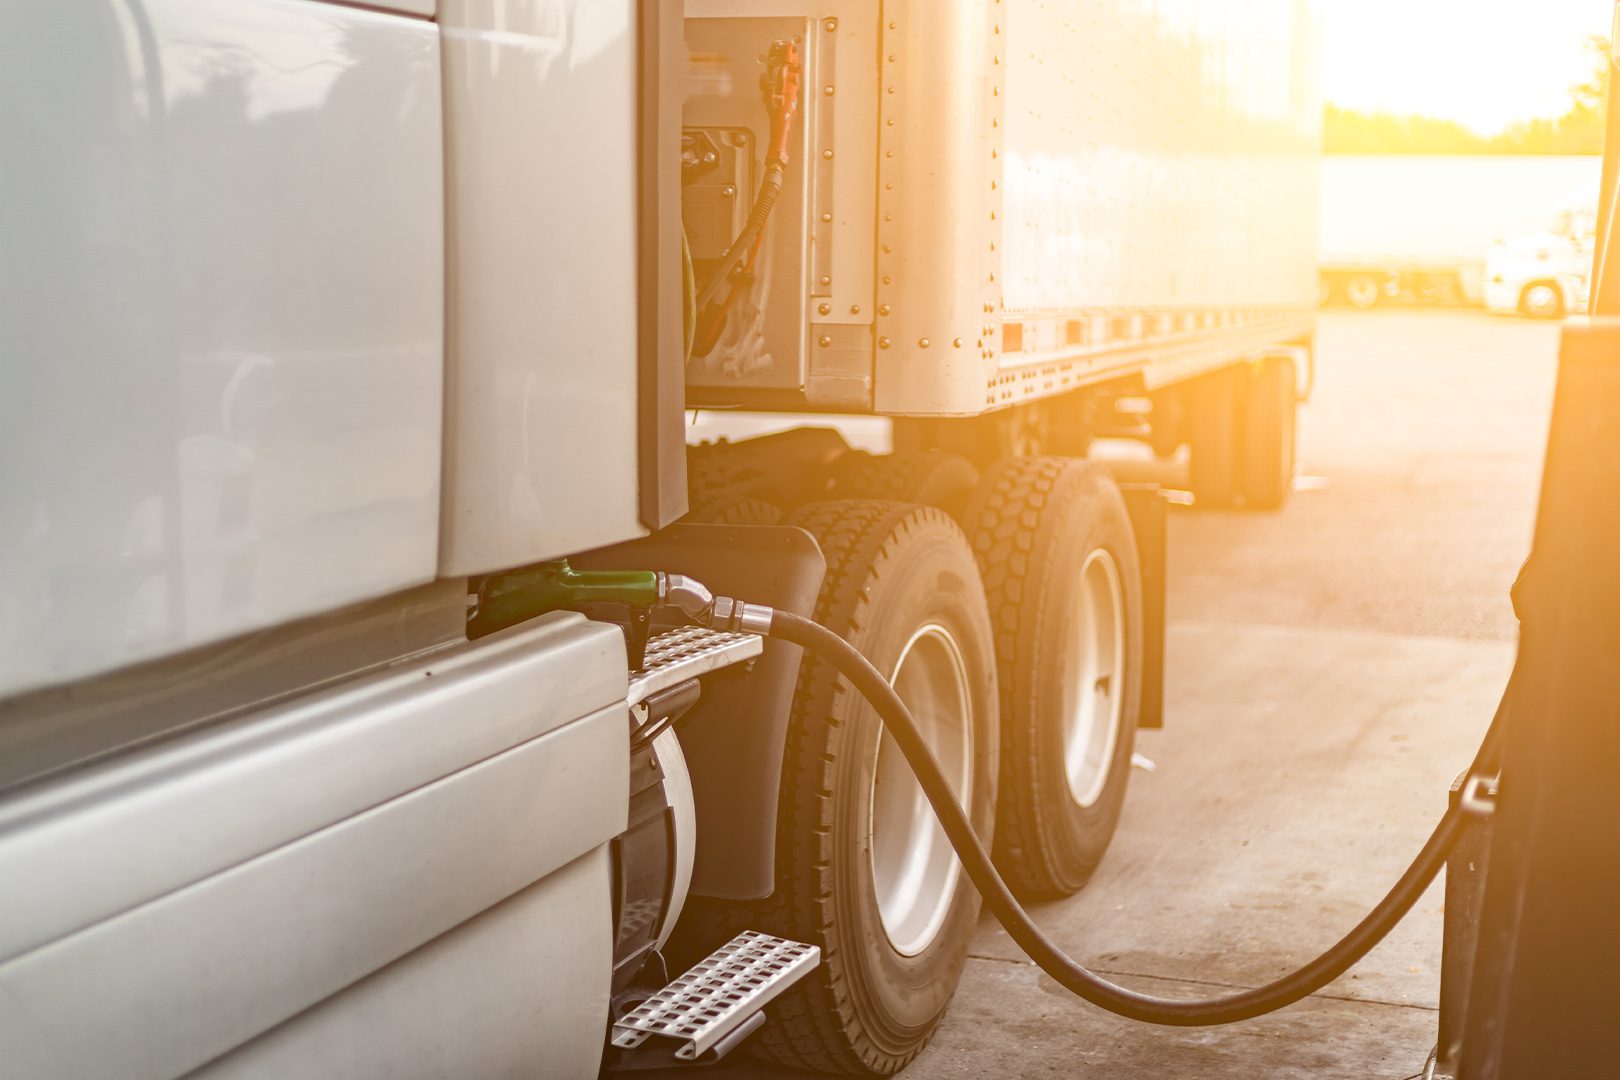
(556, 586)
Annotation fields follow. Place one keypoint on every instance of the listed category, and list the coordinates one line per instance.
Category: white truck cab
(1545, 275)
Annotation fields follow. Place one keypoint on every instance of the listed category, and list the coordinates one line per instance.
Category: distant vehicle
(1418, 228)
(1545, 274)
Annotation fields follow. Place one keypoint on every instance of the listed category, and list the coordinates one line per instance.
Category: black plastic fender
(734, 737)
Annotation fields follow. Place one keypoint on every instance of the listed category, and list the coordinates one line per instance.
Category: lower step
(716, 1004)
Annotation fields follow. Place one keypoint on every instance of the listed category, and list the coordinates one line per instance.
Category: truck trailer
(350, 719)
(1422, 228)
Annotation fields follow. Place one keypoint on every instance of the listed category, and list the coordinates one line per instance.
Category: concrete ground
(1331, 668)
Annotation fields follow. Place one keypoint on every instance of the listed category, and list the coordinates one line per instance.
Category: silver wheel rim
(1541, 300)
(914, 871)
(1096, 656)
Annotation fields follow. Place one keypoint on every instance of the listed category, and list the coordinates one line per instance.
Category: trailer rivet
(826, 153)
(884, 309)
(829, 25)
(884, 343)
(828, 90)
(728, 191)
(887, 280)
(854, 309)
(826, 216)
(825, 280)
(887, 249)
(824, 339)
(825, 309)
(922, 343)
(957, 343)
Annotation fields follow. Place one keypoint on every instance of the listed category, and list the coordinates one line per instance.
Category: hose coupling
(694, 600)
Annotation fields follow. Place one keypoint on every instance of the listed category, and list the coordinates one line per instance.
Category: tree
(1580, 130)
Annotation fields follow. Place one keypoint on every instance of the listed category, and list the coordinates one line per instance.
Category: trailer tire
(1270, 433)
(1063, 580)
(929, 477)
(903, 587)
(1212, 404)
(1362, 291)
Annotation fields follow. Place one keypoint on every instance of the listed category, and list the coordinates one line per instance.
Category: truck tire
(1063, 580)
(1542, 300)
(1270, 433)
(1210, 419)
(1362, 290)
(929, 477)
(728, 510)
(903, 587)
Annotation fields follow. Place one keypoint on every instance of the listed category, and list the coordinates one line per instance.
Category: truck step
(686, 652)
(716, 1004)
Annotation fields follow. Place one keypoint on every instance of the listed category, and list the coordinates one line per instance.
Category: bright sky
(1485, 63)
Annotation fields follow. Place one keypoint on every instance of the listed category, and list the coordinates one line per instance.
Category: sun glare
(1483, 63)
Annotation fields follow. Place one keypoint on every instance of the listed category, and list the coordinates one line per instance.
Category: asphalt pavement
(1331, 668)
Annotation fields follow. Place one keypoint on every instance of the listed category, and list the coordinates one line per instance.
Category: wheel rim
(1362, 292)
(914, 871)
(1541, 300)
(1096, 694)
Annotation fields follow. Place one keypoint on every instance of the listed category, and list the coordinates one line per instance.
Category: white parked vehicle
(1545, 275)
(1417, 228)
(328, 330)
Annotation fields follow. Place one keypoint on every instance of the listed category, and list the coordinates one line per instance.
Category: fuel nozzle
(508, 599)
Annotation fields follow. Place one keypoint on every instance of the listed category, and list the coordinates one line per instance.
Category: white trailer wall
(1390, 209)
(1160, 153)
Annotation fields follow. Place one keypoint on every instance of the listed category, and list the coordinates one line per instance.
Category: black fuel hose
(1246, 1005)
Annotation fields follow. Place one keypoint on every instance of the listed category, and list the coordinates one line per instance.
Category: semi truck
(1420, 228)
(347, 722)
(1546, 274)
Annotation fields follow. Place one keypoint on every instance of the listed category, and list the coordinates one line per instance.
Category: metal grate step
(721, 995)
(687, 652)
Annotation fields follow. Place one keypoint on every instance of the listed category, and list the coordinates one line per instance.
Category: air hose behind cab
(725, 613)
